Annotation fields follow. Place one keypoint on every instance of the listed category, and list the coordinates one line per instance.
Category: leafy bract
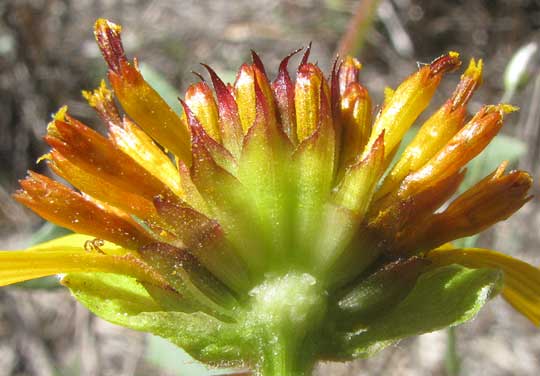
(446, 296)
(123, 301)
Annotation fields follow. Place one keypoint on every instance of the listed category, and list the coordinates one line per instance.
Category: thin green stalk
(451, 361)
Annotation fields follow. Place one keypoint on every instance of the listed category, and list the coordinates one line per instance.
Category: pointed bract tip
(257, 62)
(305, 58)
(216, 80)
(193, 123)
(285, 62)
(198, 75)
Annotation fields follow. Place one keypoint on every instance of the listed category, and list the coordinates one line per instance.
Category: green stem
(451, 361)
(287, 313)
(282, 355)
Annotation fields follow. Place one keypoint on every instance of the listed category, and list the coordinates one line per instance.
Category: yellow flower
(261, 226)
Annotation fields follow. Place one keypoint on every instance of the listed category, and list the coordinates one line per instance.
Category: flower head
(265, 225)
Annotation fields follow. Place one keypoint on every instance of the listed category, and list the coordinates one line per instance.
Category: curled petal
(101, 189)
(470, 81)
(133, 141)
(521, 280)
(107, 36)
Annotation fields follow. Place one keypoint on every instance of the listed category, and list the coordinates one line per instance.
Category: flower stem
(284, 321)
(451, 361)
(283, 355)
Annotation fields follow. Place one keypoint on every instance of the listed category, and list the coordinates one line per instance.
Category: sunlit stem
(287, 313)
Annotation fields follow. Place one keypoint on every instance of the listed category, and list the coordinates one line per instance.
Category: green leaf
(443, 297)
(123, 301)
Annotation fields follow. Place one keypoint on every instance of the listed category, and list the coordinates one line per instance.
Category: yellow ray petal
(73, 254)
(521, 280)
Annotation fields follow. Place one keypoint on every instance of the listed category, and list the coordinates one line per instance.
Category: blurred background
(48, 55)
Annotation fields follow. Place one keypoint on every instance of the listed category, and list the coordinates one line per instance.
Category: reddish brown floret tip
(226, 102)
(305, 58)
(445, 63)
(108, 39)
(285, 62)
(219, 85)
(198, 75)
(335, 89)
(257, 62)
